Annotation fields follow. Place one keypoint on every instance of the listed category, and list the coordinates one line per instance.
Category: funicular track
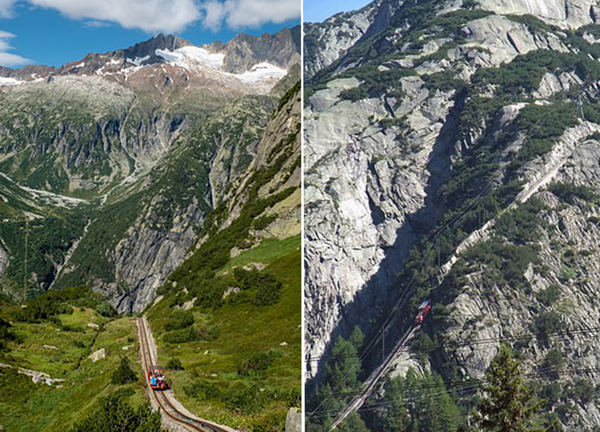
(162, 400)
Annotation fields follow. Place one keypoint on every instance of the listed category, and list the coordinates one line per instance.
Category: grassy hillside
(59, 345)
(246, 372)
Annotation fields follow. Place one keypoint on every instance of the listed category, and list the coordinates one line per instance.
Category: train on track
(424, 309)
(156, 378)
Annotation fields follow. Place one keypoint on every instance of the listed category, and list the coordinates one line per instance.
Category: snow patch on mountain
(262, 72)
(138, 60)
(9, 81)
(190, 56)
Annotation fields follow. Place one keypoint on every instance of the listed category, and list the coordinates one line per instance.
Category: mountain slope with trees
(454, 151)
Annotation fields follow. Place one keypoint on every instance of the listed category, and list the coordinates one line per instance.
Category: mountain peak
(161, 41)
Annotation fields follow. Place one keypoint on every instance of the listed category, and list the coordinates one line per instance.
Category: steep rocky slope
(111, 165)
(435, 148)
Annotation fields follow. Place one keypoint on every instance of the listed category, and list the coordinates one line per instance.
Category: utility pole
(25, 262)
(383, 344)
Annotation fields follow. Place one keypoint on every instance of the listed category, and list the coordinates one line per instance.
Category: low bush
(267, 294)
(116, 414)
(124, 374)
(570, 192)
(258, 362)
(6, 334)
(179, 320)
(190, 334)
(547, 323)
(202, 390)
(583, 391)
(58, 302)
(174, 364)
(550, 295)
(243, 397)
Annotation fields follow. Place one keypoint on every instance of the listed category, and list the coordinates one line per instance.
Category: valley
(162, 180)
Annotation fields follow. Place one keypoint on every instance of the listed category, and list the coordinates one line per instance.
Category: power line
(560, 335)
(404, 296)
(25, 261)
(528, 337)
(452, 389)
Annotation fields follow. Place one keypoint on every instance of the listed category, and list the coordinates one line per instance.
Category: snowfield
(262, 72)
(9, 81)
(138, 60)
(190, 56)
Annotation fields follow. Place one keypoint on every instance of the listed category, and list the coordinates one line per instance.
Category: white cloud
(8, 59)
(6, 8)
(152, 16)
(238, 14)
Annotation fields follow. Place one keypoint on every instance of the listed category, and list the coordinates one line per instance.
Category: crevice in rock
(512, 42)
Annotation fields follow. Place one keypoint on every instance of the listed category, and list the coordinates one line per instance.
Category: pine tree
(353, 424)
(509, 405)
(395, 418)
(342, 371)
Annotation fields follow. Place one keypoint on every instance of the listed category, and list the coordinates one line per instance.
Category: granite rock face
(410, 129)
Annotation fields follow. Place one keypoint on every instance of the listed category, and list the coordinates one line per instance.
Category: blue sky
(48, 32)
(320, 10)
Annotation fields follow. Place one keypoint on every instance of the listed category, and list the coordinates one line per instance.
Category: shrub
(190, 334)
(179, 320)
(547, 323)
(269, 421)
(174, 364)
(583, 390)
(423, 345)
(16, 388)
(6, 335)
(124, 374)
(243, 397)
(569, 192)
(550, 295)
(202, 390)
(267, 294)
(553, 363)
(266, 286)
(115, 414)
(58, 302)
(264, 221)
(567, 274)
(552, 393)
(258, 362)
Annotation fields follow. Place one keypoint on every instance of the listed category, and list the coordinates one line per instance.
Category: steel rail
(165, 405)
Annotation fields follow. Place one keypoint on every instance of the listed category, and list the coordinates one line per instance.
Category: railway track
(161, 398)
(370, 384)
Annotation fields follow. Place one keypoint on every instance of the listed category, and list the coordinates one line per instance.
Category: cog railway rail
(162, 400)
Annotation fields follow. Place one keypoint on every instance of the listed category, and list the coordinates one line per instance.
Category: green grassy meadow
(211, 385)
(61, 349)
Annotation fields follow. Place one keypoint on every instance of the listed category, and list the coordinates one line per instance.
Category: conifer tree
(509, 404)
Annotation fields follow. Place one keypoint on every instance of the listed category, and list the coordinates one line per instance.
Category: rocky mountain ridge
(240, 55)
